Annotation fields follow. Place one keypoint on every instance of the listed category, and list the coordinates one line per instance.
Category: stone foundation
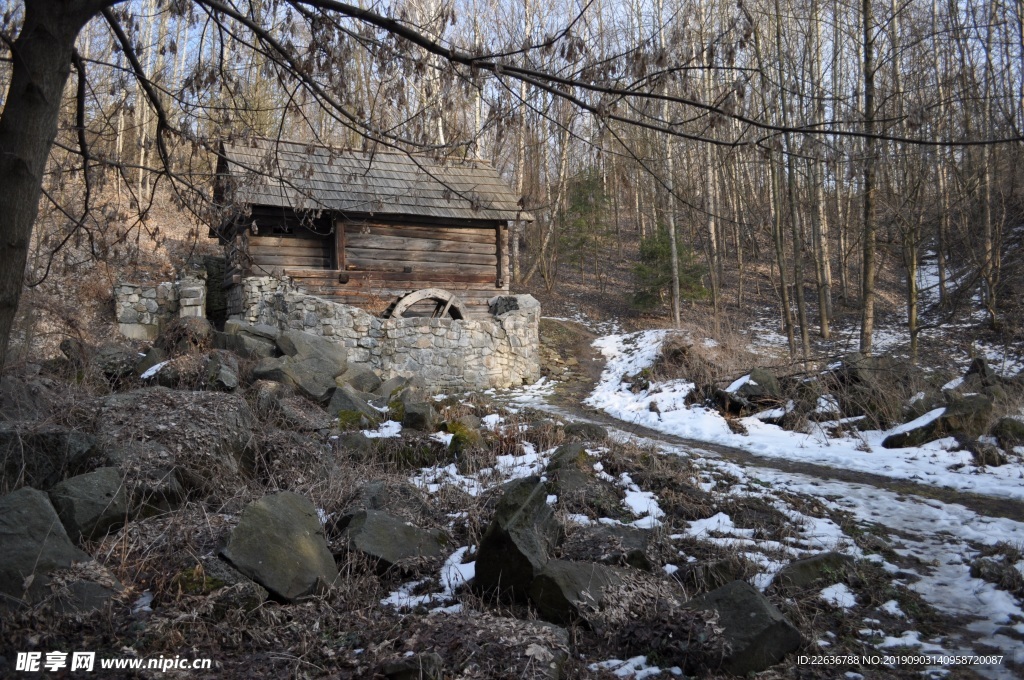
(444, 353)
(144, 309)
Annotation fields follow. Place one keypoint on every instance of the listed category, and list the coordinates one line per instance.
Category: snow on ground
(941, 538)
(662, 407)
(387, 429)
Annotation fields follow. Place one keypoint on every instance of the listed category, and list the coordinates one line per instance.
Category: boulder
(586, 431)
(355, 446)
(259, 330)
(205, 436)
(419, 415)
(226, 589)
(390, 387)
(597, 595)
(757, 633)
(757, 387)
(615, 545)
(1009, 432)
(115, 362)
(519, 540)
(352, 408)
(397, 498)
(564, 591)
(154, 356)
(979, 367)
(503, 304)
(360, 378)
(248, 340)
(42, 456)
(570, 456)
(391, 541)
(34, 544)
(822, 569)
(91, 505)
(280, 544)
(310, 364)
(701, 577)
(966, 416)
(221, 371)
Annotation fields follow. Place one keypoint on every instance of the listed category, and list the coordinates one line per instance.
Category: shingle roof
(312, 177)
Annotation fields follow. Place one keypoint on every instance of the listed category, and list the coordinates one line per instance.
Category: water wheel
(446, 304)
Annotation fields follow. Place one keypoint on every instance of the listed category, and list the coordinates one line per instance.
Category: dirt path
(572, 340)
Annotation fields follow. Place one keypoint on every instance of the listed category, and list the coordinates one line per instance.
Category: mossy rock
(1010, 432)
(195, 581)
(463, 437)
(396, 410)
(569, 456)
(354, 420)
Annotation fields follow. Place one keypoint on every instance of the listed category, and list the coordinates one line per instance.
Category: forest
(733, 383)
(722, 144)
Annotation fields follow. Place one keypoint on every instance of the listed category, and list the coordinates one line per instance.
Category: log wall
(371, 263)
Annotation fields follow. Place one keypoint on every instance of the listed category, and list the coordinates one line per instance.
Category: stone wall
(144, 309)
(445, 353)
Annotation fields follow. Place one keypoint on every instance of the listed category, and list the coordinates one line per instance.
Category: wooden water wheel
(447, 304)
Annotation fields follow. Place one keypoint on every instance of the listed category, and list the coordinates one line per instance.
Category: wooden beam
(499, 281)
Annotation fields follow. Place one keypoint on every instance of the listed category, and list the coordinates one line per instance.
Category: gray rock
(427, 666)
(571, 456)
(222, 371)
(396, 498)
(701, 577)
(391, 541)
(154, 356)
(565, 592)
(308, 365)
(815, 570)
(967, 416)
(83, 595)
(225, 588)
(1010, 432)
(91, 505)
(280, 544)
(359, 378)
(502, 304)
(42, 456)
(420, 416)
(217, 427)
(519, 540)
(586, 432)
(979, 367)
(469, 421)
(615, 545)
(259, 330)
(762, 385)
(391, 386)
(355, 446)
(756, 631)
(349, 405)
(245, 345)
(34, 544)
(115, 362)
(301, 345)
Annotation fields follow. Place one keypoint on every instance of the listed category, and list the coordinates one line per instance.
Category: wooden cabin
(365, 227)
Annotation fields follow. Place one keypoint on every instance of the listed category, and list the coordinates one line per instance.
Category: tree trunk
(867, 319)
(28, 126)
